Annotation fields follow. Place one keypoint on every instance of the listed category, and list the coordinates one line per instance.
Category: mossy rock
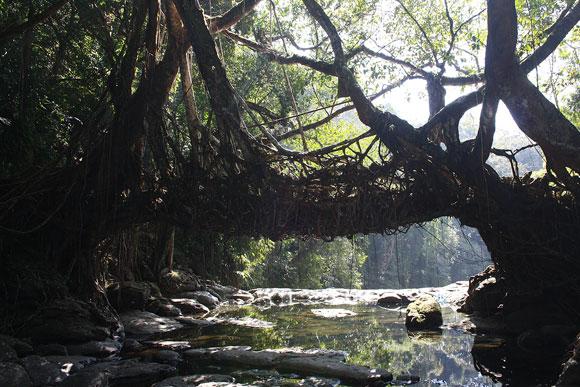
(424, 314)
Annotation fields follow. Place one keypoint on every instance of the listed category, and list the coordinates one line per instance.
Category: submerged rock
(14, 375)
(142, 324)
(333, 313)
(424, 313)
(249, 322)
(303, 362)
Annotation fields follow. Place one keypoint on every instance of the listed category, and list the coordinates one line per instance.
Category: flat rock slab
(333, 313)
(248, 322)
(134, 373)
(194, 380)
(168, 344)
(138, 323)
(303, 362)
(53, 369)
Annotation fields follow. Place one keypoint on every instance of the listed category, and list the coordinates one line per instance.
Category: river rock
(333, 313)
(168, 344)
(570, 375)
(393, 300)
(14, 375)
(242, 295)
(485, 293)
(88, 378)
(163, 307)
(178, 281)
(308, 363)
(132, 345)
(42, 372)
(203, 297)
(22, 348)
(7, 353)
(95, 348)
(194, 380)
(194, 322)
(129, 295)
(51, 349)
(134, 373)
(143, 324)
(70, 321)
(190, 306)
(424, 313)
(157, 355)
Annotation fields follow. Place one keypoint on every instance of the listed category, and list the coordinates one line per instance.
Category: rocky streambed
(188, 332)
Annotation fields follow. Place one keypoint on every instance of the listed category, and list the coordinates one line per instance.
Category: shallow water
(374, 337)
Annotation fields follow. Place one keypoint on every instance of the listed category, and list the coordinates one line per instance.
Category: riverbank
(188, 332)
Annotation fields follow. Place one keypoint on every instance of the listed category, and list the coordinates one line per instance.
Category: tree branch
(9, 31)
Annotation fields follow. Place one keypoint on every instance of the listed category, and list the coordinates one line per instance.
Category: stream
(370, 335)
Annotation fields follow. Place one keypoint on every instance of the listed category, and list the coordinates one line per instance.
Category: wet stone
(194, 380)
(139, 323)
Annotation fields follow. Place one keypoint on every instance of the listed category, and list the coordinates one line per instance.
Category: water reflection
(374, 337)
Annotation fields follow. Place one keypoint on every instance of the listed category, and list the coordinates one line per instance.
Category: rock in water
(194, 380)
(393, 300)
(424, 314)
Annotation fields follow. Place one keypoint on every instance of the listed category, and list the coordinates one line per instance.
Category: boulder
(87, 378)
(424, 314)
(42, 371)
(178, 281)
(14, 375)
(7, 353)
(570, 375)
(242, 295)
(133, 372)
(51, 349)
(95, 348)
(70, 321)
(194, 380)
(393, 300)
(129, 295)
(143, 324)
(132, 345)
(485, 293)
(163, 356)
(22, 348)
(203, 297)
(190, 306)
(163, 307)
